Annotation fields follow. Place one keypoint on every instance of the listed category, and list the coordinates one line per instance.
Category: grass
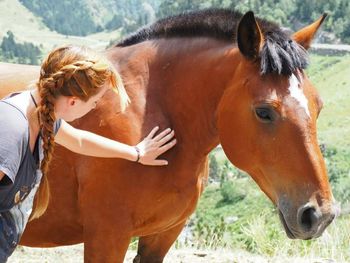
(256, 228)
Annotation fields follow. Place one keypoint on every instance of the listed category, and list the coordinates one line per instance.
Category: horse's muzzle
(309, 221)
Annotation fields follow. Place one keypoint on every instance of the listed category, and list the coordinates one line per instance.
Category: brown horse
(215, 77)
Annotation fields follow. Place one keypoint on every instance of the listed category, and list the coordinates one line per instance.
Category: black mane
(279, 54)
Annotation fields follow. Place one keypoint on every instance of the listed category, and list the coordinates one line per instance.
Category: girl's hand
(150, 148)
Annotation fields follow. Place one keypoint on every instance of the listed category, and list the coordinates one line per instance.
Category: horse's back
(15, 77)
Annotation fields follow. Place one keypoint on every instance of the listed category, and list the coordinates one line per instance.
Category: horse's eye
(265, 114)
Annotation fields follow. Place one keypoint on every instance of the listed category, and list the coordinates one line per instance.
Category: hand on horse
(153, 146)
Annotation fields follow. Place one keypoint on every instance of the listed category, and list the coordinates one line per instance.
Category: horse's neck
(194, 78)
(183, 81)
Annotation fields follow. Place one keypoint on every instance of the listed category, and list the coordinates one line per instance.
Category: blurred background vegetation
(232, 213)
(42, 24)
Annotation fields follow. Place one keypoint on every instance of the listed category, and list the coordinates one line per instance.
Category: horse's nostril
(308, 218)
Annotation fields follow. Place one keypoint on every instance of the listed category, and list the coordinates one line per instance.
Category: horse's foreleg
(105, 245)
(152, 249)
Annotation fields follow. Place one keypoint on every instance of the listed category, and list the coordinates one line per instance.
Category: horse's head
(267, 125)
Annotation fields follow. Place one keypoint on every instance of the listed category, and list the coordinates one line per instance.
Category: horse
(215, 77)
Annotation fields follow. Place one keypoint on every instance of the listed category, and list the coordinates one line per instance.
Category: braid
(75, 74)
(68, 71)
(47, 119)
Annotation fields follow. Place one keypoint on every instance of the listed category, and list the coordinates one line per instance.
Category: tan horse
(213, 84)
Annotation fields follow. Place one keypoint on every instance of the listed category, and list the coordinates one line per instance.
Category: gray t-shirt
(21, 166)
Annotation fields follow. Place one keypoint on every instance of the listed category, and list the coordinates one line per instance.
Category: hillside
(96, 24)
(84, 17)
(331, 76)
(27, 27)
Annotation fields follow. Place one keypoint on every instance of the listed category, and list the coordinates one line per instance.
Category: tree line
(22, 53)
(288, 13)
(82, 17)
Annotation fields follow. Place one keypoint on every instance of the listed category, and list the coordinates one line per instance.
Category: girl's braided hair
(68, 71)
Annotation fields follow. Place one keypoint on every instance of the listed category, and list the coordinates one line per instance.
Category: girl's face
(71, 108)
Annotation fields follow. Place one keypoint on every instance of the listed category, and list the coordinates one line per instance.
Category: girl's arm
(88, 143)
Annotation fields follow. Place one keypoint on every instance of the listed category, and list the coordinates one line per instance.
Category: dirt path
(74, 254)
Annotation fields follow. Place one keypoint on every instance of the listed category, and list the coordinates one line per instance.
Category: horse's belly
(60, 225)
(177, 206)
(166, 218)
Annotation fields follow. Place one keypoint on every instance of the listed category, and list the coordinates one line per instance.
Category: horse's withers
(269, 130)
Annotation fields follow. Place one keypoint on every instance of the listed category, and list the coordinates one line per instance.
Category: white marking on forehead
(297, 93)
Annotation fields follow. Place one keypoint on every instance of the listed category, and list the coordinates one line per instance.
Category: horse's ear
(305, 35)
(249, 36)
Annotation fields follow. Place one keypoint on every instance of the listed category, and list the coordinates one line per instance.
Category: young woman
(72, 80)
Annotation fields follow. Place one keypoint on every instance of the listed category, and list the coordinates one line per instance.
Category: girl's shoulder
(12, 119)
